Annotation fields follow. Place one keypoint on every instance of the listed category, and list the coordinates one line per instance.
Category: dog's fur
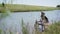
(44, 20)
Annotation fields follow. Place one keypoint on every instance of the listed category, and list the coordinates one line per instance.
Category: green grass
(27, 8)
(5, 32)
(0, 31)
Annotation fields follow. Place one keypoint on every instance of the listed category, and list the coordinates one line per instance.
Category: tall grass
(0, 31)
(11, 32)
(53, 29)
(24, 28)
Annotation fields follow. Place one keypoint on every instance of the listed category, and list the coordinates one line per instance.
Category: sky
(52, 3)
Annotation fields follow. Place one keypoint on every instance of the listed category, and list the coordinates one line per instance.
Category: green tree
(58, 5)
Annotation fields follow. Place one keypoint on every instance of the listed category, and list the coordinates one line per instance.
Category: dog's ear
(46, 19)
(42, 13)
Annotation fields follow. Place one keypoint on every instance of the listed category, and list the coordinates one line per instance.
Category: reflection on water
(13, 21)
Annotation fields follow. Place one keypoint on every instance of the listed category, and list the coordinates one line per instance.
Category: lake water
(13, 21)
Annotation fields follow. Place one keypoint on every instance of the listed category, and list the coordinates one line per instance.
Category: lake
(13, 20)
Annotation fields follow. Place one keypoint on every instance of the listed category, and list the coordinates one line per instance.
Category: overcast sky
(37, 2)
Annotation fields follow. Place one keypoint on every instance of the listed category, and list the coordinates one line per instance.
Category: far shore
(27, 8)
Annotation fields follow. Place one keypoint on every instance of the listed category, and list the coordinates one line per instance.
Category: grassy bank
(26, 8)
